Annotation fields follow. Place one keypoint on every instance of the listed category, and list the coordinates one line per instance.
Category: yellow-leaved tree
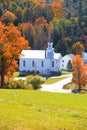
(77, 48)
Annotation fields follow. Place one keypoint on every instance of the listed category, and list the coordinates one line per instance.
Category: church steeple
(50, 46)
(50, 38)
(50, 50)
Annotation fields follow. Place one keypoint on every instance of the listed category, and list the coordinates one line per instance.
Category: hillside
(50, 1)
(75, 8)
(65, 21)
(35, 110)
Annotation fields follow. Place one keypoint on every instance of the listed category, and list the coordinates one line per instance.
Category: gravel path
(58, 86)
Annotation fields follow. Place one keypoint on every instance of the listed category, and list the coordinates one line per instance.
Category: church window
(33, 64)
(42, 63)
(24, 63)
(52, 63)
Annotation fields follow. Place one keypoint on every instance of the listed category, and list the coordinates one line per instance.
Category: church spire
(50, 43)
(50, 49)
(50, 38)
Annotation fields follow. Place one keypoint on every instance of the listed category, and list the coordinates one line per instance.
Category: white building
(84, 55)
(67, 59)
(42, 61)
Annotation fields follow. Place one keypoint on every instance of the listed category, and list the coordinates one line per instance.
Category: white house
(67, 59)
(84, 55)
(42, 61)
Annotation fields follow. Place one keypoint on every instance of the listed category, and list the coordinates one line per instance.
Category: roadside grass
(69, 86)
(36, 110)
(73, 87)
(53, 80)
(16, 74)
(66, 72)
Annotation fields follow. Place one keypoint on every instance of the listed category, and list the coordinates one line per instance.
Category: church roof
(37, 54)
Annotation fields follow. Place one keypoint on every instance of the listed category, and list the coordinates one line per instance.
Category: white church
(42, 61)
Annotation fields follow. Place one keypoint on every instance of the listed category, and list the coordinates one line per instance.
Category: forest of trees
(64, 20)
(29, 24)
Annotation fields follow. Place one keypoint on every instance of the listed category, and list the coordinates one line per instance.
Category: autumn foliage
(8, 17)
(77, 48)
(80, 72)
(11, 44)
(42, 29)
(58, 11)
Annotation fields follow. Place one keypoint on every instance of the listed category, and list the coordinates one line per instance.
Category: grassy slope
(35, 110)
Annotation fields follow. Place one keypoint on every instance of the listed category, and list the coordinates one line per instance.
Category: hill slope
(35, 110)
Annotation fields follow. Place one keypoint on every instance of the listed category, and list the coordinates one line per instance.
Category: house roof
(69, 56)
(37, 54)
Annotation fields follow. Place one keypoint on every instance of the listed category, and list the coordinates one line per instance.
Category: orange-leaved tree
(8, 17)
(58, 11)
(11, 44)
(80, 72)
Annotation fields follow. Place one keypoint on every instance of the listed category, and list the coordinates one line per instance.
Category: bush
(69, 86)
(32, 82)
(35, 81)
(18, 84)
(83, 92)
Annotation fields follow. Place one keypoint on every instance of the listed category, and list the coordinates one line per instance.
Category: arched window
(52, 63)
(24, 63)
(42, 63)
(33, 64)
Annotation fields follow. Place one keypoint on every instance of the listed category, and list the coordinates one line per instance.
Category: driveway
(58, 86)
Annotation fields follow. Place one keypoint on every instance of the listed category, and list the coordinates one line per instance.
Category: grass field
(35, 110)
(53, 80)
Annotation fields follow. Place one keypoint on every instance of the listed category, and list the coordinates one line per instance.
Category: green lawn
(16, 74)
(66, 72)
(35, 110)
(53, 80)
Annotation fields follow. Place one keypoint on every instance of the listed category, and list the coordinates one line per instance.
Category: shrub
(35, 81)
(83, 92)
(69, 86)
(32, 82)
(18, 84)
(11, 85)
(29, 87)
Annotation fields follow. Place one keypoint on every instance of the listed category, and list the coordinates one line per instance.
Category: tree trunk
(79, 87)
(2, 77)
(2, 73)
